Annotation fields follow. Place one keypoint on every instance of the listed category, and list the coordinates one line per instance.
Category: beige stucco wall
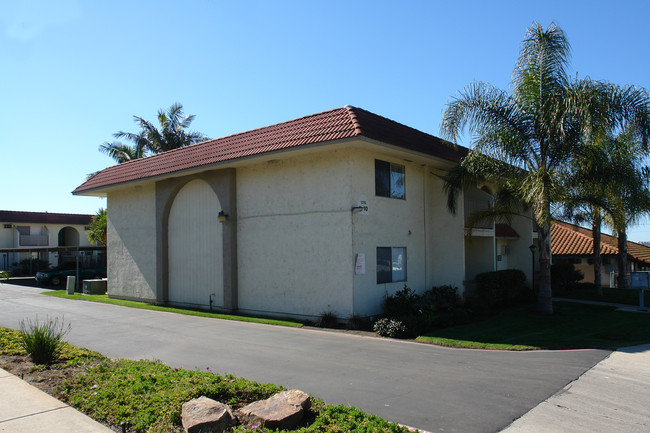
(445, 244)
(520, 256)
(387, 224)
(479, 255)
(131, 232)
(294, 235)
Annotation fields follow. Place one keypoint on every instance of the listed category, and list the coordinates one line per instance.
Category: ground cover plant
(148, 395)
(145, 306)
(572, 326)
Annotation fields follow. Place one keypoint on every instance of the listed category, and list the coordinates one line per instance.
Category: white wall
(131, 232)
(195, 247)
(294, 235)
(390, 223)
(520, 255)
(446, 238)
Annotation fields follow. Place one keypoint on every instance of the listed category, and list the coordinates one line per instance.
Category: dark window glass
(382, 178)
(391, 264)
(389, 179)
(384, 274)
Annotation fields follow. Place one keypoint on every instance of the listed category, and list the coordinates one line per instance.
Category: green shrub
(564, 276)
(500, 288)
(43, 342)
(440, 298)
(392, 328)
(403, 302)
(5, 274)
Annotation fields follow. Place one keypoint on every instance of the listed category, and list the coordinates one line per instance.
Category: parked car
(59, 274)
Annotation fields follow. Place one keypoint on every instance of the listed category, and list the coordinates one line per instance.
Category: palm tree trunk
(544, 296)
(598, 260)
(623, 281)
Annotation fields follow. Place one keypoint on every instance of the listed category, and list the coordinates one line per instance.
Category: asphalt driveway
(424, 386)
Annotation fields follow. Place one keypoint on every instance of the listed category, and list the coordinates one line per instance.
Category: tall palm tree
(526, 140)
(172, 134)
(628, 192)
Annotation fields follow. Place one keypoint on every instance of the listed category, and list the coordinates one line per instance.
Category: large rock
(204, 415)
(284, 410)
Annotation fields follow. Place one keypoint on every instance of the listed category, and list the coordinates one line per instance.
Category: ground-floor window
(391, 264)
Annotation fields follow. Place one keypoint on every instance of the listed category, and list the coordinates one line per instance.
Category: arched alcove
(68, 237)
(195, 247)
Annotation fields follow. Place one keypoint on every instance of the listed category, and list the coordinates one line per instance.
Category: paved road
(424, 386)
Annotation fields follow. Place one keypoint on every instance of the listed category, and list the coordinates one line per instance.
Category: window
(389, 179)
(391, 264)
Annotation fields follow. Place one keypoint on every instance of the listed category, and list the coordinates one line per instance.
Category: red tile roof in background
(572, 240)
(10, 216)
(340, 123)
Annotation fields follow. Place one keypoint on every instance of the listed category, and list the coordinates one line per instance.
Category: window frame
(390, 276)
(387, 175)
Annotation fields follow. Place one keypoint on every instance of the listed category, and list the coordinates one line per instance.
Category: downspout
(425, 203)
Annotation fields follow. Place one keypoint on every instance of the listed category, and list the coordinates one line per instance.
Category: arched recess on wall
(68, 237)
(195, 247)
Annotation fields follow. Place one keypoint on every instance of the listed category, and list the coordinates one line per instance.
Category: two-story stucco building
(39, 235)
(328, 212)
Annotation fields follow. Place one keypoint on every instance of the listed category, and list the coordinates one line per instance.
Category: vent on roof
(7, 226)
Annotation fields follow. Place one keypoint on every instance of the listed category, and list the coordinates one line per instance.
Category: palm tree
(628, 192)
(122, 152)
(151, 140)
(526, 141)
(97, 228)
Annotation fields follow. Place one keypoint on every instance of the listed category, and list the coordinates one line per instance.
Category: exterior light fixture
(222, 217)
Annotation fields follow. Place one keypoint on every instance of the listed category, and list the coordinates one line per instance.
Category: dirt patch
(47, 379)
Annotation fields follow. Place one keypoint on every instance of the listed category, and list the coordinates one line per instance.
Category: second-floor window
(389, 180)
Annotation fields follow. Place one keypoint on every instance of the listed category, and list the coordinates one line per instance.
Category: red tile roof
(572, 240)
(340, 123)
(9, 216)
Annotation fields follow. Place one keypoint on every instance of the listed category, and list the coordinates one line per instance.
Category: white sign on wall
(362, 204)
(360, 264)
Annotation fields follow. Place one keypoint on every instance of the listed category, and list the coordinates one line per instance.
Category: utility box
(94, 287)
(70, 285)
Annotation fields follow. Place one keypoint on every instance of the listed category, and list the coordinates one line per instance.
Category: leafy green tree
(97, 228)
(526, 141)
(171, 134)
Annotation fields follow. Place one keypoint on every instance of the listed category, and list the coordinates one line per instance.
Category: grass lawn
(573, 326)
(145, 306)
(617, 296)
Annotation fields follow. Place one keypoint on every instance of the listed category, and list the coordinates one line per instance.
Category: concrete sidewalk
(613, 396)
(25, 409)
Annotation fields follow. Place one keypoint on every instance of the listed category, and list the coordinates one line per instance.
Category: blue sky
(74, 72)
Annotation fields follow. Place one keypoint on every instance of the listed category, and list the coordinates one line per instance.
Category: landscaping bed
(148, 395)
